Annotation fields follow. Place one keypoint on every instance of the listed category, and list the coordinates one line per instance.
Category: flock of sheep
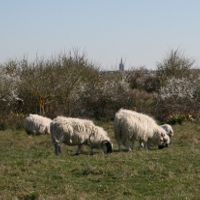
(129, 126)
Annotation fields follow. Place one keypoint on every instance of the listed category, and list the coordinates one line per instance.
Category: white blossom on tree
(178, 88)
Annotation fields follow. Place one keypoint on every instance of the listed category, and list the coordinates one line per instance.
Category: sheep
(78, 132)
(37, 125)
(130, 126)
(168, 129)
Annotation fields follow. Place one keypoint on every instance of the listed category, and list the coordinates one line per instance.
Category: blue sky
(140, 31)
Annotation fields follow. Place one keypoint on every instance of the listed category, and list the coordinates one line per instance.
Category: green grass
(30, 170)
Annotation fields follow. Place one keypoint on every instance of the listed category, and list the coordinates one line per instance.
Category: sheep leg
(132, 144)
(130, 149)
(91, 151)
(141, 145)
(144, 145)
(57, 149)
(78, 151)
(119, 147)
(128, 145)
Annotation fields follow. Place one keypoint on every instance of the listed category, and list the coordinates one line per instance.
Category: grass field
(30, 170)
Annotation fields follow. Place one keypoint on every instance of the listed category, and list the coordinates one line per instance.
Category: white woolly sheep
(37, 125)
(130, 126)
(168, 129)
(78, 132)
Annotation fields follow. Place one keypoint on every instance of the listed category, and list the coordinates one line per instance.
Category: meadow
(30, 170)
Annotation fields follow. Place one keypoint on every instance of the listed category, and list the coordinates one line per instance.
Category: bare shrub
(143, 79)
(176, 64)
(143, 101)
(50, 87)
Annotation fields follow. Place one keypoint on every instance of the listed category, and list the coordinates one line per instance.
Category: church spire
(121, 65)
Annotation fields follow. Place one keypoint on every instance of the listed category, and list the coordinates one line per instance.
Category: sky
(142, 32)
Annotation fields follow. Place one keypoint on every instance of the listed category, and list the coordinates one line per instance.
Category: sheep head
(107, 146)
(165, 141)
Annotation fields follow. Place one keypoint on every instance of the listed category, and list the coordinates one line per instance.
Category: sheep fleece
(37, 125)
(130, 126)
(75, 131)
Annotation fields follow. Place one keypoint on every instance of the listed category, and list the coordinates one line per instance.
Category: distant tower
(121, 66)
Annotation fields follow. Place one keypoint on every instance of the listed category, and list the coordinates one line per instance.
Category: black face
(108, 147)
(161, 146)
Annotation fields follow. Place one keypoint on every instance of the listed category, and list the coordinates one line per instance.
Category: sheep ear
(108, 146)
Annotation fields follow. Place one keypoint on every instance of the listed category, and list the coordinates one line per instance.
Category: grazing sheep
(78, 132)
(37, 125)
(168, 129)
(130, 126)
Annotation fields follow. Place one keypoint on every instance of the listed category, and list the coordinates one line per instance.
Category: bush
(105, 97)
(178, 96)
(178, 91)
(174, 65)
(51, 87)
(12, 121)
(143, 79)
(72, 86)
(177, 118)
(143, 101)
